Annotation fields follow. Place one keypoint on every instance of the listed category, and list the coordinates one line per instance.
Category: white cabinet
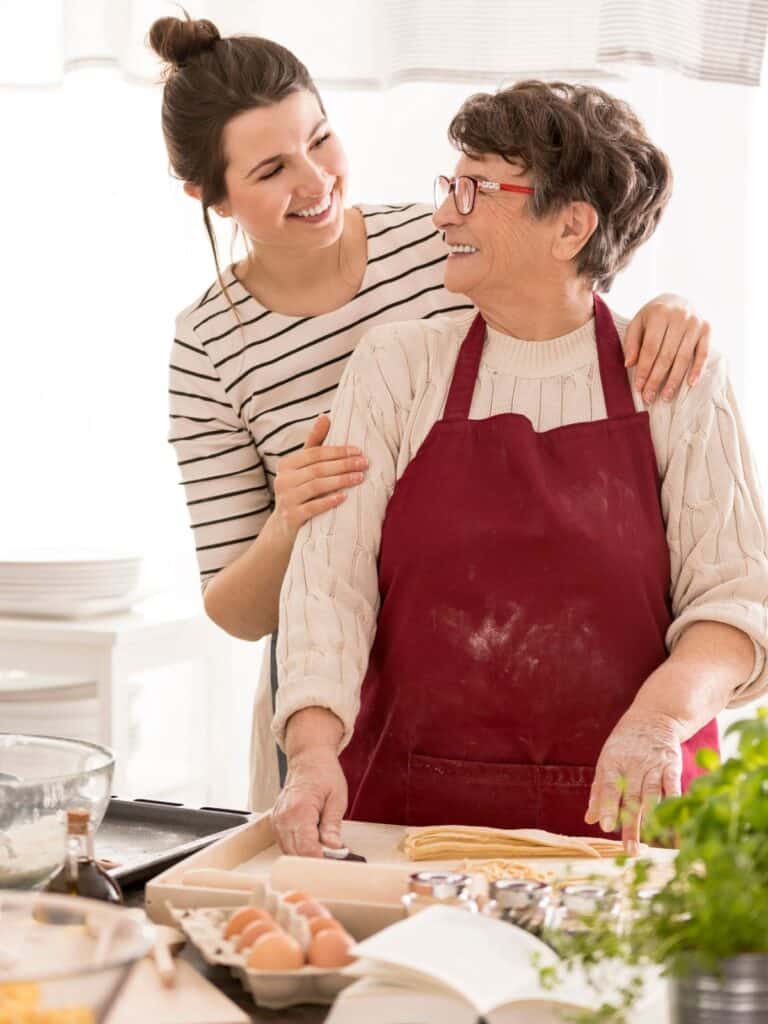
(159, 671)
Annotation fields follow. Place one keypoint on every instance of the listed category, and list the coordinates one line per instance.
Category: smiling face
(508, 246)
(286, 174)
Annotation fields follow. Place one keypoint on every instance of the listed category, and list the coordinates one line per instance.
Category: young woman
(257, 359)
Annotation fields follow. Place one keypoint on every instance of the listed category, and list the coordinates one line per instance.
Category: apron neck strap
(610, 355)
(465, 373)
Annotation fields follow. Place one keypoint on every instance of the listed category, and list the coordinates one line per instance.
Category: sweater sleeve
(715, 521)
(222, 473)
(330, 596)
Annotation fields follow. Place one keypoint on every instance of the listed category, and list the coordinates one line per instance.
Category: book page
(488, 963)
(375, 1002)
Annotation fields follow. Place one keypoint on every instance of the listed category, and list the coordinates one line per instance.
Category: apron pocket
(564, 797)
(444, 791)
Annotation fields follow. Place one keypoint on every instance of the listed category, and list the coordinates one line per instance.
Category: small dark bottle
(80, 875)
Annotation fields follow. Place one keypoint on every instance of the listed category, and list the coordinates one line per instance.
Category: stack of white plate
(49, 706)
(67, 584)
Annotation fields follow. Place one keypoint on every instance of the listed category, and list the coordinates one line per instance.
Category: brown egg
(276, 951)
(322, 924)
(330, 948)
(251, 932)
(295, 896)
(242, 917)
(311, 908)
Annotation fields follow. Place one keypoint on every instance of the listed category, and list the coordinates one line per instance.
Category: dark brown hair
(209, 80)
(580, 144)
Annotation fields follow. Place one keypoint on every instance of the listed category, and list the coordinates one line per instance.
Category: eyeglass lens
(463, 192)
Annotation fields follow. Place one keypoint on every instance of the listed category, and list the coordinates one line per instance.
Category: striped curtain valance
(715, 40)
(379, 43)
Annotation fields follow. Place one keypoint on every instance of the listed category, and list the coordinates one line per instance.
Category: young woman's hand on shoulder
(667, 341)
(315, 478)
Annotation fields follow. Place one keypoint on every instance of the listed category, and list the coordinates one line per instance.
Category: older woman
(531, 611)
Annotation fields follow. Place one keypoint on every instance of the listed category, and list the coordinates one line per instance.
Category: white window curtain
(381, 43)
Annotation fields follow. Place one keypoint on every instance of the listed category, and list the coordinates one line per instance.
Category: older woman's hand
(308, 811)
(667, 340)
(640, 762)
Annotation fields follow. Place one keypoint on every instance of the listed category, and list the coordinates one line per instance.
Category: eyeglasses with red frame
(465, 191)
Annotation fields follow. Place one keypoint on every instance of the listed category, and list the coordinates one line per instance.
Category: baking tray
(251, 851)
(364, 897)
(143, 837)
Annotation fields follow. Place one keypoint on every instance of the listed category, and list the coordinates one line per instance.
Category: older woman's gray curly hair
(580, 144)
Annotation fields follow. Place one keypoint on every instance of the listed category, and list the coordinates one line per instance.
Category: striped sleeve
(222, 472)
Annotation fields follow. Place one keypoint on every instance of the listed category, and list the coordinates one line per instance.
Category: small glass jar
(439, 888)
(580, 901)
(519, 902)
(641, 903)
(646, 894)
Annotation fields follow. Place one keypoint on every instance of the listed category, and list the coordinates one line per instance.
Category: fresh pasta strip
(443, 842)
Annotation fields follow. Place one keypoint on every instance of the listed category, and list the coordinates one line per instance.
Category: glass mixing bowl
(41, 778)
(66, 954)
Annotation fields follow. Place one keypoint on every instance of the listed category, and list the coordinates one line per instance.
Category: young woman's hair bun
(177, 41)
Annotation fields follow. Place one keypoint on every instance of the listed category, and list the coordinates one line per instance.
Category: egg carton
(204, 927)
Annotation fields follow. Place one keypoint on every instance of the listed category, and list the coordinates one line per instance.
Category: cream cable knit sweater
(394, 390)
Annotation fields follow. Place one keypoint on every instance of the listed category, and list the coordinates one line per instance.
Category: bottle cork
(78, 821)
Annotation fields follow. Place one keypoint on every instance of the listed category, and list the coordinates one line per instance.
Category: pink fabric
(524, 581)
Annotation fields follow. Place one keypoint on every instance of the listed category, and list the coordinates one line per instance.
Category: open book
(449, 966)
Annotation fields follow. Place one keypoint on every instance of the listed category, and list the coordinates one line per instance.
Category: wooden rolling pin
(342, 880)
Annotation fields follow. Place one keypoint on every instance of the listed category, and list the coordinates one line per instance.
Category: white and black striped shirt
(242, 396)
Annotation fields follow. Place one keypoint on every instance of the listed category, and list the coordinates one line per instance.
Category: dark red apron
(524, 585)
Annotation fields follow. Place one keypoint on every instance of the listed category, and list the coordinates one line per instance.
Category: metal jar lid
(518, 894)
(441, 885)
(647, 893)
(588, 897)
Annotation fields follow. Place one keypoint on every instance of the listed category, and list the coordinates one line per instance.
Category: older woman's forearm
(696, 682)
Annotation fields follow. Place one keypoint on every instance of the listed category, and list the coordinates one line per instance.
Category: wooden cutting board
(365, 897)
(192, 1000)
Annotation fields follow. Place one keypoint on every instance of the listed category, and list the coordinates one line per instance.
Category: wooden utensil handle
(166, 968)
